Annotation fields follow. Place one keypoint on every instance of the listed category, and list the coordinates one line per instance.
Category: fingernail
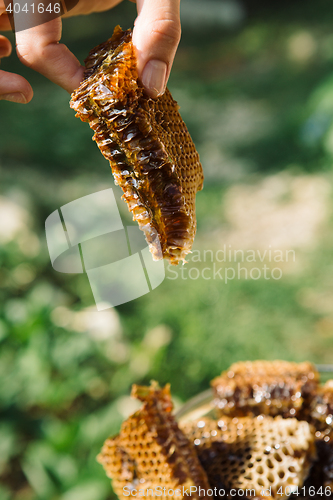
(15, 97)
(154, 77)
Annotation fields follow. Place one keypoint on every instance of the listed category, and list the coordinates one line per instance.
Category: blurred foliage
(255, 86)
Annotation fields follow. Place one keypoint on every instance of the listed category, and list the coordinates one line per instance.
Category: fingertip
(75, 81)
(15, 88)
(154, 77)
(23, 86)
(156, 36)
(5, 47)
(17, 97)
(28, 95)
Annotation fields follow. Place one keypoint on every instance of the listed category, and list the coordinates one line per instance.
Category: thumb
(156, 37)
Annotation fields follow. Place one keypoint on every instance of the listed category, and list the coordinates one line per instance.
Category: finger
(14, 88)
(4, 23)
(5, 47)
(39, 48)
(156, 37)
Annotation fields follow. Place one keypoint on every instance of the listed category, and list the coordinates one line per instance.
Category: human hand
(156, 36)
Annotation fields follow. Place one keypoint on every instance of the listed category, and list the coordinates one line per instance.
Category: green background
(254, 81)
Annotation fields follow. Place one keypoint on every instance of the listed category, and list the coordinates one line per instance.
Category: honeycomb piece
(151, 451)
(259, 455)
(322, 419)
(151, 153)
(267, 387)
(322, 410)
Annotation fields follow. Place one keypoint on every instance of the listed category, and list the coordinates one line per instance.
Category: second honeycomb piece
(258, 457)
(267, 387)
